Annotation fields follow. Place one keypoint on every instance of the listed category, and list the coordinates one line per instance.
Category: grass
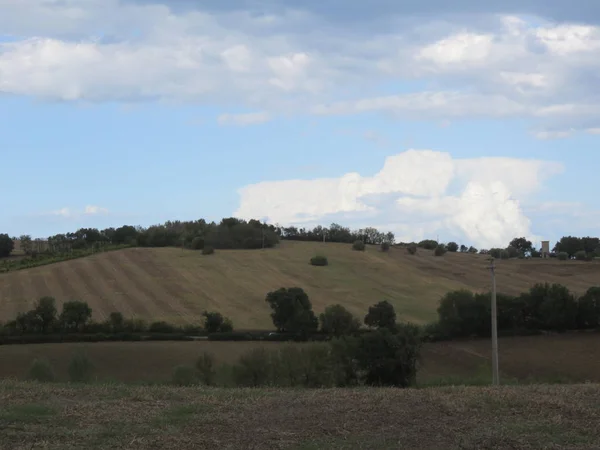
(119, 417)
(568, 358)
(176, 286)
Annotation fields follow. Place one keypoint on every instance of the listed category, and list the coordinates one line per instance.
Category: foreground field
(175, 285)
(572, 358)
(119, 417)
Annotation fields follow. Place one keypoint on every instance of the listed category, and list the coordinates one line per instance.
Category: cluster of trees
(336, 233)
(580, 248)
(549, 307)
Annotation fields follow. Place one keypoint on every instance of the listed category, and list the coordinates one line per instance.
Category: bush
(80, 368)
(41, 370)
(385, 246)
(428, 244)
(412, 249)
(338, 321)
(504, 254)
(184, 375)
(581, 255)
(162, 327)
(214, 322)
(197, 243)
(116, 322)
(440, 250)
(205, 365)
(319, 261)
(358, 246)
(513, 252)
(381, 315)
(208, 250)
(253, 369)
(472, 249)
(452, 247)
(588, 309)
(563, 256)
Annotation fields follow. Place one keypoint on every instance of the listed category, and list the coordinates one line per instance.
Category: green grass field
(158, 417)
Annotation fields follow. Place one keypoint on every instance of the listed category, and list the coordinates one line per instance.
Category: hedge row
(97, 337)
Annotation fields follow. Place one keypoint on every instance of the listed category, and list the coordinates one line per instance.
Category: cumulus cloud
(244, 119)
(416, 192)
(298, 57)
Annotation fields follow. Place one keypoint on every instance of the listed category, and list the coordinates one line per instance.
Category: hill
(177, 285)
(142, 417)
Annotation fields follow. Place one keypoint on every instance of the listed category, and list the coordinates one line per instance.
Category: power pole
(495, 372)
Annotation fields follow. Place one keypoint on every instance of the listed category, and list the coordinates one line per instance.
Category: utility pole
(495, 372)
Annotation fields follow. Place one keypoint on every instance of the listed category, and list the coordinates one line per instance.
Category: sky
(478, 122)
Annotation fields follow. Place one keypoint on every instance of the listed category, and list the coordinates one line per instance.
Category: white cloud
(423, 192)
(244, 119)
(294, 61)
(557, 134)
(89, 210)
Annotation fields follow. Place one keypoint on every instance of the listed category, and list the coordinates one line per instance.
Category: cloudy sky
(477, 122)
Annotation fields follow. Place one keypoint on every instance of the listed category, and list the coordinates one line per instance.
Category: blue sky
(393, 116)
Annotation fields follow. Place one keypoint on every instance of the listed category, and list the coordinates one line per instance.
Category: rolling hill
(176, 285)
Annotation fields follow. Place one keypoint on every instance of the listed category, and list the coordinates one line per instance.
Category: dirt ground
(64, 417)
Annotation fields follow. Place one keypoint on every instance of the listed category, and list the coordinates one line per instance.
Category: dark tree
(381, 315)
(75, 314)
(522, 245)
(452, 247)
(292, 311)
(338, 321)
(214, 322)
(45, 310)
(588, 309)
(6, 245)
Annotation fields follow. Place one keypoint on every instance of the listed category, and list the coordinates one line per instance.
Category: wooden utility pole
(495, 372)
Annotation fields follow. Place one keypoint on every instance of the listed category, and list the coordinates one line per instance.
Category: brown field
(571, 357)
(159, 417)
(175, 285)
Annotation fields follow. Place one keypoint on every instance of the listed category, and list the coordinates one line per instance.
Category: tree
(472, 249)
(26, 244)
(412, 249)
(389, 358)
(338, 321)
(116, 321)
(550, 307)
(75, 315)
(588, 309)
(452, 247)
(381, 315)
(513, 252)
(569, 244)
(440, 250)
(214, 322)
(6, 245)
(464, 248)
(292, 311)
(428, 244)
(197, 243)
(45, 310)
(463, 314)
(522, 245)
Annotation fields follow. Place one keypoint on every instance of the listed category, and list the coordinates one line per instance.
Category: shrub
(513, 252)
(80, 368)
(381, 315)
(162, 327)
(319, 261)
(116, 322)
(472, 249)
(581, 255)
(253, 369)
(440, 250)
(205, 365)
(412, 249)
(338, 321)
(214, 322)
(358, 246)
(563, 256)
(184, 375)
(207, 250)
(41, 370)
(197, 243)
(428, 244)
(504, 254)
(452, 247)
(385, 246)
(135, 325)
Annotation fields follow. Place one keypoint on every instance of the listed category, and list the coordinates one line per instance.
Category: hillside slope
(175, 285)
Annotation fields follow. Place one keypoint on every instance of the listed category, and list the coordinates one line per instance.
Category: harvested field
(118, 417)
(175, 285)
(572, 358)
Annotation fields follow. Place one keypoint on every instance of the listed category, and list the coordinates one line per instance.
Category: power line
(495, 371)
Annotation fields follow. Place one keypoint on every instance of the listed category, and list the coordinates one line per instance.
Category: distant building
(545, 249)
